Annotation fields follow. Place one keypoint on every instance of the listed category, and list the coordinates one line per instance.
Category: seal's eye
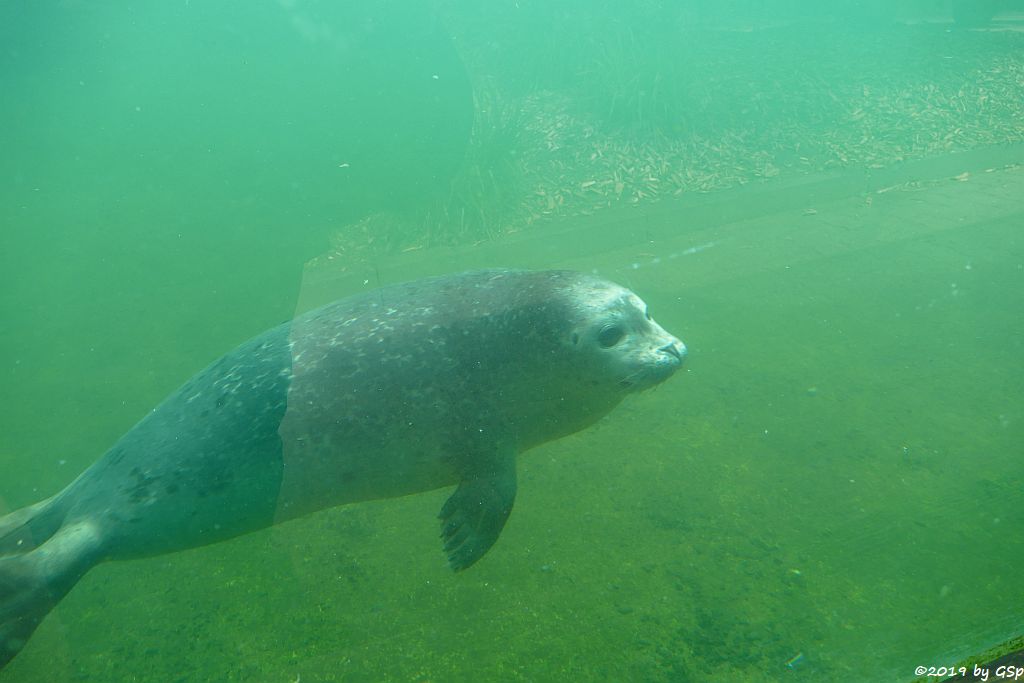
(647, 313)
(610, 336)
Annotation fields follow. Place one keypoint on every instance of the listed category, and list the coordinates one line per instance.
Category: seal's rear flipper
(27, 528)
(32, 583)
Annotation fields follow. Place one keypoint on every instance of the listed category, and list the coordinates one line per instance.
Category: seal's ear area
(472, 519)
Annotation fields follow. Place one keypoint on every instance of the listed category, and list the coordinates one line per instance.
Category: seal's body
(406, 389)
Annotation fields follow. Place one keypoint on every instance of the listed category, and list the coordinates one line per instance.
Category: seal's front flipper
(472, 519)
(32, 583)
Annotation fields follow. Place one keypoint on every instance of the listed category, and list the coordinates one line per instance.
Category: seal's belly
(324, 468)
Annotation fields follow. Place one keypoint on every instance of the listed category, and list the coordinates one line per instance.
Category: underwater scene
(727, 297)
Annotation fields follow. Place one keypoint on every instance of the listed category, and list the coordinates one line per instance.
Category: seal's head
(617, 332)
(547, 353)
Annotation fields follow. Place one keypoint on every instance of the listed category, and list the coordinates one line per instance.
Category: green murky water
(822, 204)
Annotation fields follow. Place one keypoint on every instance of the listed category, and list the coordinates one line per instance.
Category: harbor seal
(409, 388)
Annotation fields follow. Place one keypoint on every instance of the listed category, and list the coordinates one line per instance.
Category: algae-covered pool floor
(831, 490)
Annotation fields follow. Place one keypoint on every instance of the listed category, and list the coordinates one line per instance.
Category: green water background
(837, 474)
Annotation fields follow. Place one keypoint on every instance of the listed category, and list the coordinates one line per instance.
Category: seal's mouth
(675, 349)
(670, 358)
